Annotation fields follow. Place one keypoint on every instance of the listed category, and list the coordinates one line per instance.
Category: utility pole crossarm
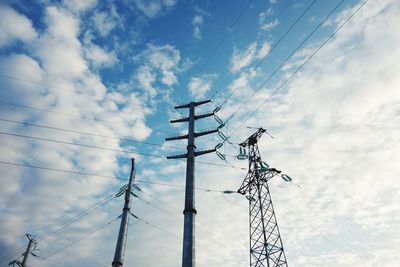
(202, 152)
(206, 132)
(195, 104)
(181, 156)
(202, 116)
(180, 120)
(177, 137)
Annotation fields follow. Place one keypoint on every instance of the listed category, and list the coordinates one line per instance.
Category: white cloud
(14, 26)
(336, 131)
(157, 64)
(153, 8)
(197, 22)
(57, 58)
(146, 78)
(99, 57)
(199, 86)
(104, 24)
(80, 5)
(264, 50)
(241, 59)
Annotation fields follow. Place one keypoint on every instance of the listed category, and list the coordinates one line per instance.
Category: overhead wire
(101, 148)
(7, 76)
(223, 38)
(101, 176)
(77, 217)
(305, 62)
(155, 226)
(88, 133)
(81, 238)
(230, 28)
(254, 68)
(68, 114)
(66, 223)
(284, 62)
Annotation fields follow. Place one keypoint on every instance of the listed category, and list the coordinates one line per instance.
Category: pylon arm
(205, 133)
(198, 153)
(182, 156)
(195, 103)
(205, 115)
(176, 137)
(179, 120)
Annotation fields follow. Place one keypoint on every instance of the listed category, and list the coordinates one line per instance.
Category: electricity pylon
(188, 257)
(266, 248)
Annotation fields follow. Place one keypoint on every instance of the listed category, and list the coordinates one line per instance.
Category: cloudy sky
(87, 85)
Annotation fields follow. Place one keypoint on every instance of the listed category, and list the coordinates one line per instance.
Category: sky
(87, 85)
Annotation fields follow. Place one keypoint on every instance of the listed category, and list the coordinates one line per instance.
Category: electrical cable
(155, 226)
(65, 224)
(87, 133)
(284, 62)
(304, 63)
(77, 217)
(101, 148)
(231, 27)
(67, 114)
(7, 76)
(99, 176)
(246, 77)
(220, 42)
(81, 238)
(284, 8)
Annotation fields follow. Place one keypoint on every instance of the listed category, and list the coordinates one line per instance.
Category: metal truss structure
(266, 248)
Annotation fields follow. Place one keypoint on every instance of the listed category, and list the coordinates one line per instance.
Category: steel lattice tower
(266, 248)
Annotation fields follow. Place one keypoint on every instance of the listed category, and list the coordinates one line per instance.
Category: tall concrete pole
(28, 249)
(188, 253)
(123, 229)
(188, 256)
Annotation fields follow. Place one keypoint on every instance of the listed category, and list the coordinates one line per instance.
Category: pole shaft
(123, 229)
(27, 252)
(188, 256)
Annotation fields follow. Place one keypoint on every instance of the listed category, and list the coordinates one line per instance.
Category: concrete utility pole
(123, 229)
(188, 257)
(28, 249)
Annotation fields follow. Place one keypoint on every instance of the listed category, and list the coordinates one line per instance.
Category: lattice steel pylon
(266, 248)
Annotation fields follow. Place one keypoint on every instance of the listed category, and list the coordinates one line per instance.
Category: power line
(285, 7)
(302, 65)
(65, 224)
(242, 80)
(78, 217)
(285, 61)
(7, 76)
(221, 41)
(78, 144)
(101, 148)
(100, 176)
(231, 27)
(67, 114)
(87, 133)
(155, 226)
(82, 238)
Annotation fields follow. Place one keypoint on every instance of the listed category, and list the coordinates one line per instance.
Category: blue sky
(85, 82)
